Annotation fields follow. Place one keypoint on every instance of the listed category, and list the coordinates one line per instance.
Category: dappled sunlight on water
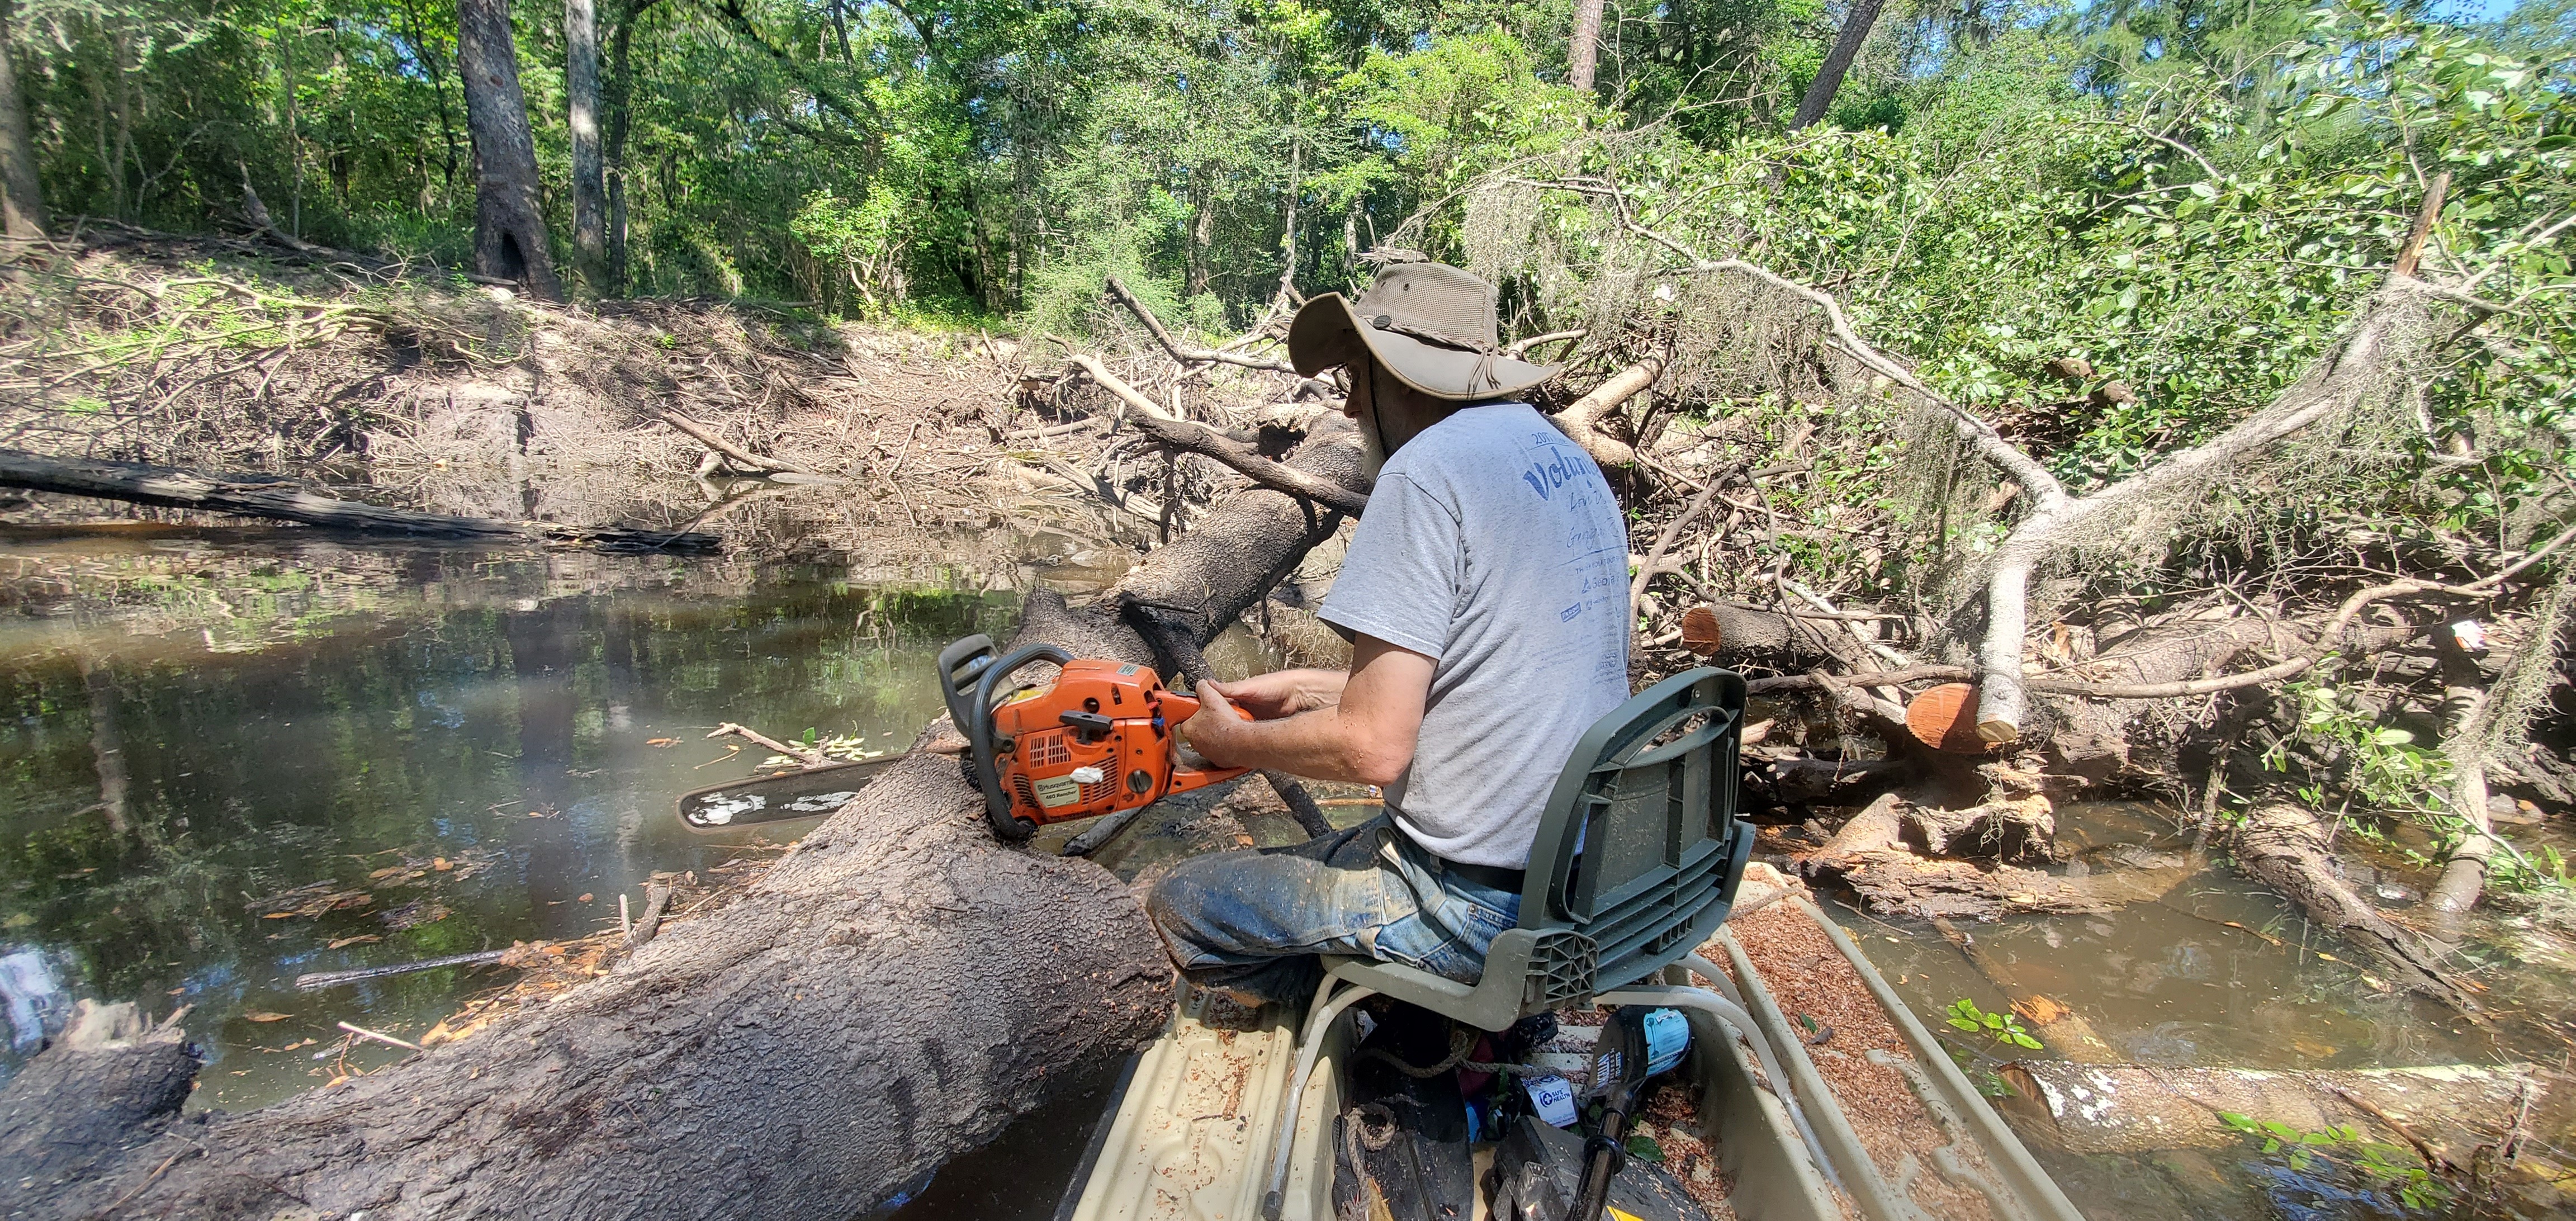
(228, 764)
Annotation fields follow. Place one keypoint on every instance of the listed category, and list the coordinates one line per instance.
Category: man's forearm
(1315, 745)
(1367, 736)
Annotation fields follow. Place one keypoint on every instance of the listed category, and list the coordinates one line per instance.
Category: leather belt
(1491, 876)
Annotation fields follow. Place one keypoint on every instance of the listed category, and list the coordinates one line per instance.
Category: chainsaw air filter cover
(1099, 740)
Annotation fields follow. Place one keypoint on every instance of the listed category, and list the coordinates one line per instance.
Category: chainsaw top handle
(968, 675)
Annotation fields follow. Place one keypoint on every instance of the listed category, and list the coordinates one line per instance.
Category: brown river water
(209, 731)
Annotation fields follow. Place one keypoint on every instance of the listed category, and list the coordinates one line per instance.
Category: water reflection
(224, 767)
(2219, 972)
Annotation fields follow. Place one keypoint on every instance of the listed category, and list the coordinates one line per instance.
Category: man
(1486, 598)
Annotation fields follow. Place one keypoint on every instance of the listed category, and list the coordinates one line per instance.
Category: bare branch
(1171, 430)
(1188, 356)
(1582, 420)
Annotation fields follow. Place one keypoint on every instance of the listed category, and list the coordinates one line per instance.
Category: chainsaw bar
(779, 797)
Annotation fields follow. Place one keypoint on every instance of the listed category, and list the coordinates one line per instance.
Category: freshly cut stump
(1701, 632)
(1945, 719)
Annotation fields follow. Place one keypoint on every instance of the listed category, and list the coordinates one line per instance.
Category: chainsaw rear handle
(968, 674)
(959, 664)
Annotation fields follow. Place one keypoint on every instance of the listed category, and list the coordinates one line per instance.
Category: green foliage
(2344, 761)
(2004, 1029)
(864, 241)
(2366, 764)
(2379, 1167)
(2193, 195)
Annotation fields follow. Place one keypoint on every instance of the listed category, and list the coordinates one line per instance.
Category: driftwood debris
(741, 460)
(1156, 421)
(315, 980)
(255, 496)
(1880, 855)
(2283, 846)
(925, 984)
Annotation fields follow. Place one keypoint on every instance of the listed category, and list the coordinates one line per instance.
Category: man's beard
(1372, 446)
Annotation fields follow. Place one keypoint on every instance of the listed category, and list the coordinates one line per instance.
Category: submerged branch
(251, 496)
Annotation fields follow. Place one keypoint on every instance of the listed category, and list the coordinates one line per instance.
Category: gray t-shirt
(1492, 545)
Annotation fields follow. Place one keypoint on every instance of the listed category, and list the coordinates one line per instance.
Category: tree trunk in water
(106, 743)
(279, 500)
(581, 96)
(2136, 1108)
(894, 992)
(2465, 696)
(509, 224)
(2282, 847)
(1586, 47)
(22, 197)
(1829, 77)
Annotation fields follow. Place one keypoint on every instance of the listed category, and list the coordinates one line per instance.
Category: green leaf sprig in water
(2378, 1167)
(2005, 1028)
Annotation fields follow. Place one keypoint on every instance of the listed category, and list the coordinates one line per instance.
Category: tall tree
(1587, 44)
(589, 187)
(509, 225)
(617, 101)
(22, 202)
(1829, 78)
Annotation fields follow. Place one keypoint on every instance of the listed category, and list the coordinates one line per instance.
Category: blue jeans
(1254, 921)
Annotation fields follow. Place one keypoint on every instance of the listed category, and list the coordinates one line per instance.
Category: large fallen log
(894, 992)
(1876, 855)
(2136, 1108)
(258, 496)
(2284, 848)
(1870, 855)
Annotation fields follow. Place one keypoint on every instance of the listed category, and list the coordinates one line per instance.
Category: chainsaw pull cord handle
(971, 692)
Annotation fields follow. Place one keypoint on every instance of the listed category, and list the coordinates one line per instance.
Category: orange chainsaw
(1097, 741)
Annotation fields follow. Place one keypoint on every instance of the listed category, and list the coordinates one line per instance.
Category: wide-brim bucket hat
(1430, 325)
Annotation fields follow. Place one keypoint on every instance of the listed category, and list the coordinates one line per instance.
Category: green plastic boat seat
(1636, 864)
(1637, 860)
